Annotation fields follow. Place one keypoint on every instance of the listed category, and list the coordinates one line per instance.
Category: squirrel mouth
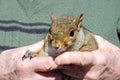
(60, 50)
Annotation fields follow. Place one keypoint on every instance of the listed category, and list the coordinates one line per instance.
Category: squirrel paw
(29, 54)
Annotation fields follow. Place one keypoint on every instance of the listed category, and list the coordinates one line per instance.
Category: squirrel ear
(53, 18)
(78, 20)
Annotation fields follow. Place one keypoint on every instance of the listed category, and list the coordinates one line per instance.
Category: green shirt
(24, 22)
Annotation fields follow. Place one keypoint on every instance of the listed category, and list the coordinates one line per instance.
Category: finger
(52, 75)
(69, 67)
(81, 58)
(89, 73)
(44, 64)
(38, 64)
(79, 73)
(104, 43)
(34, 47)
(75, 57)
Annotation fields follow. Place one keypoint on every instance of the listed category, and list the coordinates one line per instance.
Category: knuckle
(22, 65)
(99, 59)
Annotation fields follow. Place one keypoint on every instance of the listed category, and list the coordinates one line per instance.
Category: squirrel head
(63, 31)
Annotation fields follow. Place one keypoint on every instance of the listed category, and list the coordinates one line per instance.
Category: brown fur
(59, 34)
(66, 34)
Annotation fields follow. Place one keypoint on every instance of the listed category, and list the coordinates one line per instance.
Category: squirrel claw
(28, 54)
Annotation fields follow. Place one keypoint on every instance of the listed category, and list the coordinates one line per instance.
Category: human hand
(12, 67)
(101, 64)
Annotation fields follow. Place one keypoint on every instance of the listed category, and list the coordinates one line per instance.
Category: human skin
(101, 64)
(12, 67)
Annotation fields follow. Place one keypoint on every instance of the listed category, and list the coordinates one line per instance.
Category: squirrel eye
(49, 31)
(71, 33)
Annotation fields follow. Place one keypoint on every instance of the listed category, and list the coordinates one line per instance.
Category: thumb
(36, 47)
(80, 58)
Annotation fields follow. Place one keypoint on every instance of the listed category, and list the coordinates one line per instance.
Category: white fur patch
(51, 51)
(79, 41)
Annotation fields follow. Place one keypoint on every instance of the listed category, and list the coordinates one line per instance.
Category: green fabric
(23, 22)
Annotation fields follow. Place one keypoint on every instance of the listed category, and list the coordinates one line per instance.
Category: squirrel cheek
(68, 44)
(50, 37)
(72, 39)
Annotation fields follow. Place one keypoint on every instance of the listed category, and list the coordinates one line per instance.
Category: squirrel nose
(56, 47)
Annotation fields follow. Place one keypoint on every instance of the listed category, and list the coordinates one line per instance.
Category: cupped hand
(100, 64)
(12, 67)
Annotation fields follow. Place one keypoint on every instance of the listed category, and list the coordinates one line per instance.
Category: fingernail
(62, 59)
(58, 61)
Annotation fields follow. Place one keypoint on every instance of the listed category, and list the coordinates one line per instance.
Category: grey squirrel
(65, 34)
(68, 34)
